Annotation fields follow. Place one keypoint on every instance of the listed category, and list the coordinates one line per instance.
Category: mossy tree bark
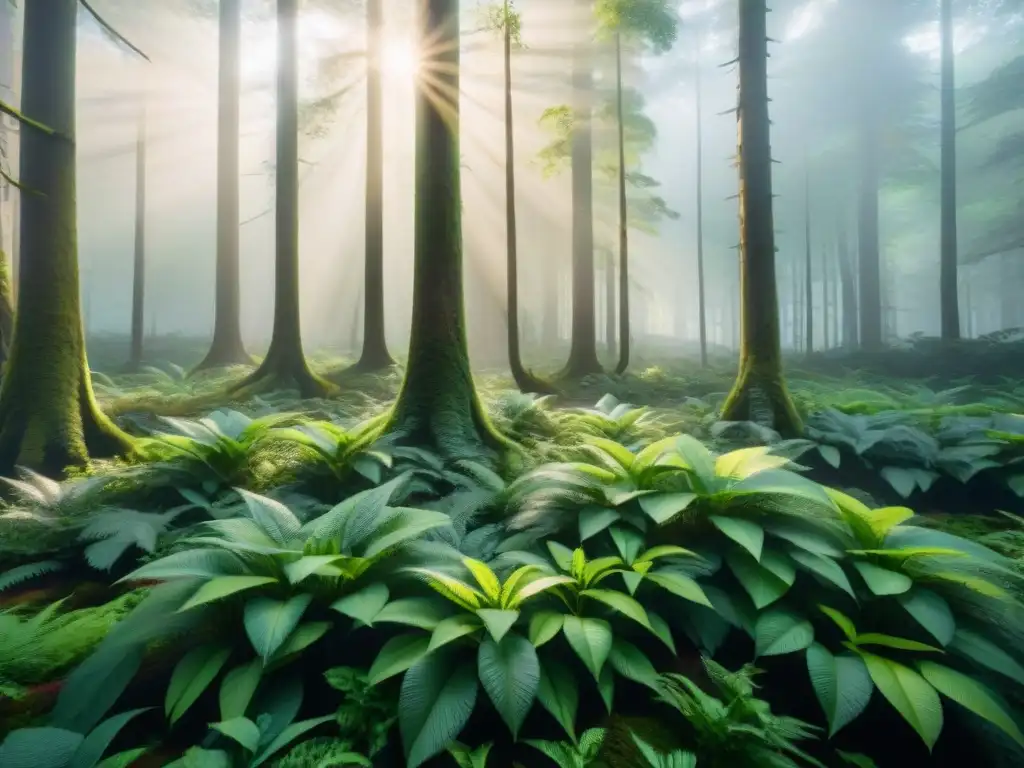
(374, 355)
(583, 358)
(759, 383)
(139, 265)
(948, 288)
(227, 347)
(285, 365)
(49, 419)
(437, 405)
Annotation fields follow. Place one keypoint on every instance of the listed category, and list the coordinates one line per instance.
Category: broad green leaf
(420, 612)
(544, 625)
(661, 630)
(98, 741)
(841, 683)
(124, 759)
(697, 457)
(763, 586)
(402, 525)
(559, 694)
(303, 637)
(841, 621)
(485, 577)
(745, 462)
(452, 629)
(826, 568)
(308, 565)
(882, 581)
(664, 550)
(509, 598)
(397, 655)
(780, 564)
(630, 662)
(542, 584)
(680, 586)
(593, 520)
(237, 689)
(242, 730)
(830, 454)
(884, 519)
(902, 479)
(466, 757)
(970, 694)
(561, 554)
(44, 747)
(437, 698)
(932, 612)
(192, 675)
(910, 695)
(662, 507)
(364, 605)
(453, 589)
(620, 602)
(606, 687)
(628, 541)
(983, 651)
(591, 639)
(746, 533)
(273, 517)
(809, 541)
(288, 735)
(268, 622)
(974, 583)
(900, 643)
(498, 623)
(780, 631)
(510, 674)
(617, 451)
(224, 586)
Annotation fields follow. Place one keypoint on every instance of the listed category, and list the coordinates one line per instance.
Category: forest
(334, 332)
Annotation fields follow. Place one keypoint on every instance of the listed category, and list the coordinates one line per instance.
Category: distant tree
(139, 261)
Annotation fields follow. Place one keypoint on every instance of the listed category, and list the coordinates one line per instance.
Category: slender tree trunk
(849, 289)
(610, 314)
(6, 299)
(701, 297)
(375, 355)
(437, 406)
(969, 304)
(285, 365)
(583, 348)
(759, 384)
(623, 362)
(49, 418)
(948, 301)
(227, 347)
(808, 275)
(139, 266)
(870, 309)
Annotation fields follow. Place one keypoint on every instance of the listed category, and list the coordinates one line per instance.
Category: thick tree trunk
(868, 245)
(139, 265)
(285, 365)
(49, 419)
(623, 362)
(759, 384)
(375, 355)
(227, 347)
(808, 274)
(437, 406)
(583, 348)
(948, 298)
(701, 298)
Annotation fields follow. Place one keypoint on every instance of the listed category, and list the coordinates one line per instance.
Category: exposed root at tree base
(223, 356)
(751, 379)
(272, 376)
(531, 384)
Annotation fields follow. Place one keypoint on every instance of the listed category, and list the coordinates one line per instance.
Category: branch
(110, 30)
(18, 185)
(7, 109)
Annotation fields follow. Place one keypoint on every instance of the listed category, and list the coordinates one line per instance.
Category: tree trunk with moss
(285, 365)
(759, 384)
(139, 265)
(623, 362)
(227, 347)
(437, 406)
(949, 299)
(374, 355)
(49, 418)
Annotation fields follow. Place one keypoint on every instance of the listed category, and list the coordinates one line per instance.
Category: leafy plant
(366, 715)
(61, 748)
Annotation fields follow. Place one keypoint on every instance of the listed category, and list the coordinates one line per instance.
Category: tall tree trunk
(948, 299)
(139, 265)
(227, 347)
(583, 346)
(285, 365)
(868, 245)
(6, 300)
(808, 275)
(759, 383)
(49, 418)
(849, 289)
(437, 406)
(701, 298)
(375, 355)
(610, 313)
(623, 362)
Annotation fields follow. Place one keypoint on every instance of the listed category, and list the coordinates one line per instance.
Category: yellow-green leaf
(224, 586)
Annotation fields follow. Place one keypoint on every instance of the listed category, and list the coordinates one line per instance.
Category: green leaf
(307, 565)
(124, 759)
(39, 748)
(450, 588)
(617, 601)
(932, 612)
(498, 623)
(400, 525)
(910, 695)
(485, 577)
(591, 639)
(746, 533)
(680, 586)
(397, 655)
(452, 629)
(606, 687)
(902, 479)
(630, 662)
(559, 694)
(223, 586)
(661, 630)
(628, 541)
(593, 520)
(303, 637)
(983, 651)
(191, 677)
(826, 568)
(841, 621)
(268, 622)
(884, 519)
(288, 735)
(561, 554)
(841, 683)
(830, 454)
(542, 584)
(882, 581)
(99, 739)
(419, 612)
(364, 605)
(780, 631)
(510, 674)
(662, 507)
(763, 586)
(856, 759)
(242, 730)
(544, 625)
(437, 698)
(237, 689)
(971, 695)
(888, 641)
